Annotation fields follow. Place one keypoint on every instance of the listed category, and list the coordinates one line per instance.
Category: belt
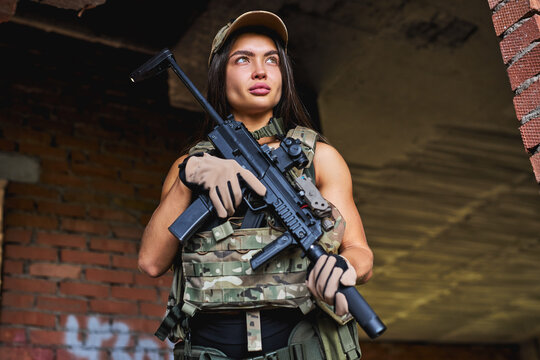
(308, 349)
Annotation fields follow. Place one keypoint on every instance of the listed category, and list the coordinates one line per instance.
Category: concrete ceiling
(415, 96)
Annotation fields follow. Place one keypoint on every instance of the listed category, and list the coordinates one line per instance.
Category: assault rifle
(289, 204)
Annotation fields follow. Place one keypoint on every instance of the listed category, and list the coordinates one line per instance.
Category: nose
(259, 73)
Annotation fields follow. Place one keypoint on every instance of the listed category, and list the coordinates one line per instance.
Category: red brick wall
(517, 23)
(70, 280)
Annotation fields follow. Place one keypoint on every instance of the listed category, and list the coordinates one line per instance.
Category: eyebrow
(250, 53)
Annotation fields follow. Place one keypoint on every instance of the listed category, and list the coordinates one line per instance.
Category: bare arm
(158, 245)
(333, 179)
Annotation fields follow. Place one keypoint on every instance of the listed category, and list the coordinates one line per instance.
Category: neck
(253, 121)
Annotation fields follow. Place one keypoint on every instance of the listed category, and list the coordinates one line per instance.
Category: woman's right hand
(220, 178)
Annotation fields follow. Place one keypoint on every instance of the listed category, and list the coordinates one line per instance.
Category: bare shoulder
(326, 151)
(329, 164)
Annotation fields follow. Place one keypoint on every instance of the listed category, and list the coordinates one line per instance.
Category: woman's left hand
(324, 279)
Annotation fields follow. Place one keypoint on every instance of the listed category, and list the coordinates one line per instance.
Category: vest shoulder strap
(309, 138)
(201, 146)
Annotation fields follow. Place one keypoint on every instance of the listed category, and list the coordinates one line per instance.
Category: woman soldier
(230, 311)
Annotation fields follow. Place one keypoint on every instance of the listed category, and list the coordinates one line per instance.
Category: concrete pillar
(517, 24)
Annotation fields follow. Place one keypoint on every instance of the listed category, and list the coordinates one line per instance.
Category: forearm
(158, 245)
(362, 261)
(335, 184)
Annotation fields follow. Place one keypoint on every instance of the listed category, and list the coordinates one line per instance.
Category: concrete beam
(73, 4)
(20, 168)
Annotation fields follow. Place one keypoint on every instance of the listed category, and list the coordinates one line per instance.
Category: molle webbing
(219, 276)
(308, 137)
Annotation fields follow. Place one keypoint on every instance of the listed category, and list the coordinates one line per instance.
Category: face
(253, 77)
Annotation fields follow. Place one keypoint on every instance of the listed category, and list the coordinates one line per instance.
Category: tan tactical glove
(324, 279)
(220, 178)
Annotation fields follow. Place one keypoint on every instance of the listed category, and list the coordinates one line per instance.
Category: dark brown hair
(289, 107)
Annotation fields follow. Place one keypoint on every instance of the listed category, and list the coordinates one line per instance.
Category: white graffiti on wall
(97, 333)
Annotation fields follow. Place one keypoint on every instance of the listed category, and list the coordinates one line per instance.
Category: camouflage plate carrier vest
(215, 273)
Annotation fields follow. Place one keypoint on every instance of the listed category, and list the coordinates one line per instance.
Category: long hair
(289, 107)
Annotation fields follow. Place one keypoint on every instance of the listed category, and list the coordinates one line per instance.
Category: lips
(259, 89)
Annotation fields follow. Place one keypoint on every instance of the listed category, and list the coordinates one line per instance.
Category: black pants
(227, 332)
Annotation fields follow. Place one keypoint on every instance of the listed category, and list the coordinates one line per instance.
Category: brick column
(517, 23)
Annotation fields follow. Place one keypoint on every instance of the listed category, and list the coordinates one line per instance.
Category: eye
(272, 60)
(241, 60)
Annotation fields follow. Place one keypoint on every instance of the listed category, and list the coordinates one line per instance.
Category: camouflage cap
(251, 18)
